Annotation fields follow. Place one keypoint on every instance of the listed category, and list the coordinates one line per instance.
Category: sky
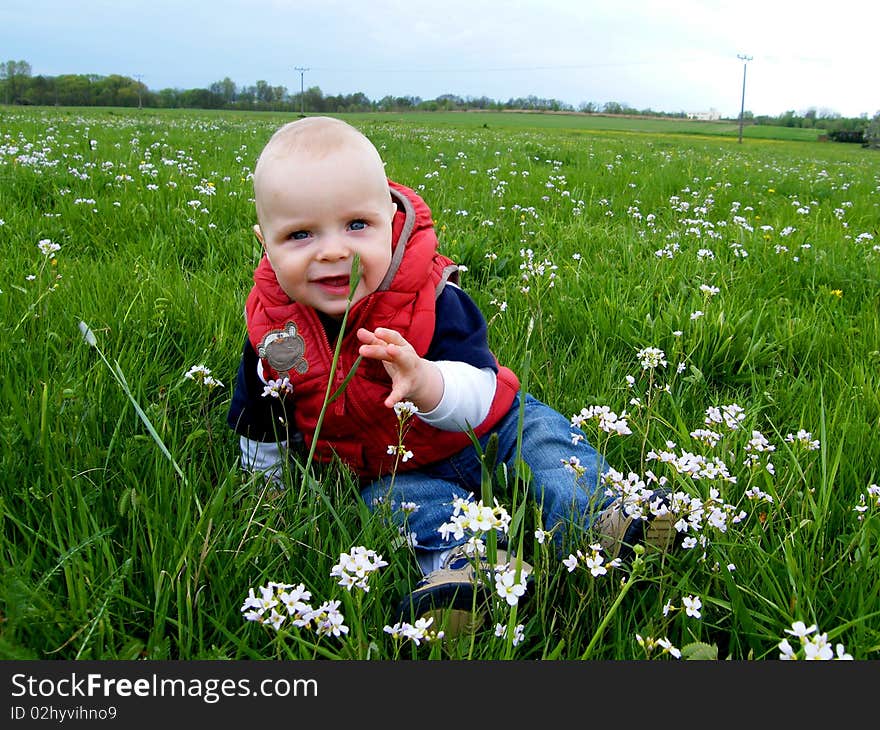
(665, 55)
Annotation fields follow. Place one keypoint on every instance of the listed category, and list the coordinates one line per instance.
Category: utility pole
(302, 96)
(742, 108)
(138, 77)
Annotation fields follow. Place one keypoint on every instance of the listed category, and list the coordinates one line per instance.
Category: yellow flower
(837, 292)
(771, 190)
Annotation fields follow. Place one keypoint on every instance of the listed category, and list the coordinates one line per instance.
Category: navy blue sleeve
(250, 414)
(460, 332)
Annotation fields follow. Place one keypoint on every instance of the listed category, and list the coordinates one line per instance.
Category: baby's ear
(259, 234)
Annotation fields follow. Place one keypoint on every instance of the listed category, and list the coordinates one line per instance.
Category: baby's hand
(412, 377)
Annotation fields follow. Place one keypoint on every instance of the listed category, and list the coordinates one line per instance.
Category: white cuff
(263, 456)
(467, 395)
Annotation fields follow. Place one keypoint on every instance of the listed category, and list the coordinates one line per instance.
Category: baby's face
(315, 214)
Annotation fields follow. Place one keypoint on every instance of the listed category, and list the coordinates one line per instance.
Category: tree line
(19, 86)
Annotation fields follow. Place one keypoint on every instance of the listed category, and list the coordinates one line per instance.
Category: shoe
(456, 595)
(618, 532)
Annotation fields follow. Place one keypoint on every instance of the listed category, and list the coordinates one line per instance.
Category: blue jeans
(567, 503)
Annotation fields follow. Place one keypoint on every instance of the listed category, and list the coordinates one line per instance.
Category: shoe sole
(660, 532)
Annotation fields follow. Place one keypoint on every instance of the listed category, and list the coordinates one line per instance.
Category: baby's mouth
(333, 282)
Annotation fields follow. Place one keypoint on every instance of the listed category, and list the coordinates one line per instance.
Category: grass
(128, 530)
(515, 120)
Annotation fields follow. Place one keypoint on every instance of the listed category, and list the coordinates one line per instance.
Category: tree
(224, 89)
(872, 133)
(168, 98)
(14, 75)
(447, 102)
(247, 96)
(787, 119)
(75, 90)
(40, 91)
(265, 93)
(809, 118)
(116, 90)
(313, 99)
(200, 99)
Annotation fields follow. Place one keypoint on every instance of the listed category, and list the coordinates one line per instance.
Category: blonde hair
(318, 136)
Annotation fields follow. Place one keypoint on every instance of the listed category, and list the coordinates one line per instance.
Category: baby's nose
(334, 247)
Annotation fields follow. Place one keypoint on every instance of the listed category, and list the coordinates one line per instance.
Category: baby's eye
(298, 235)
(357, 225)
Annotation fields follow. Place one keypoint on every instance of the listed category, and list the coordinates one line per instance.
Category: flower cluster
(277, 388)
(354, 568)
(608, 421)
(696, 514)
(279, 601)
(730, 415)
(533, 269)
(804, 439)
(811, 647)
(519, 633)
(690, 604)
(48, 248)
(757, 446)
(202, 375)
(573, 464)
(650, 645)
(474, 518)
(404, 410)
(693, 465)
(400, 450)
(708, 290)
(417, 633)
(651, 358)
(863, 506)
(508, 586)
(594, 561)
(633, 495)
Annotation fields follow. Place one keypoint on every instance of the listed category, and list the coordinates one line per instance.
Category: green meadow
(516, 120)
(720, 299)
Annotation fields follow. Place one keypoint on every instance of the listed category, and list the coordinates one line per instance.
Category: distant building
(710, 116)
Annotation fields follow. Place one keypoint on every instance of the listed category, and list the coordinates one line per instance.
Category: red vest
(290, 340)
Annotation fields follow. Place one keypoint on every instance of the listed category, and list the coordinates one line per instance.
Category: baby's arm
(468, 392)
(412, 377)
(449, 394)
(260, 422)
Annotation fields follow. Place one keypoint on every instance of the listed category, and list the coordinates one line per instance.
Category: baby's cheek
(365, 287)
